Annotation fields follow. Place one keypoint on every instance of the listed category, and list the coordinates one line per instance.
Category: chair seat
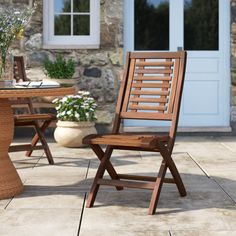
(33, 117)
(126, 140)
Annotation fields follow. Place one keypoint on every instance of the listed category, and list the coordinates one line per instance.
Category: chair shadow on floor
(202, 192)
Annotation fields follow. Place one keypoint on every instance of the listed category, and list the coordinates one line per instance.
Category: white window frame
(51, 41)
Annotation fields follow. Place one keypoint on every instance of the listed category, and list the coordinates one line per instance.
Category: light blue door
(203, 29)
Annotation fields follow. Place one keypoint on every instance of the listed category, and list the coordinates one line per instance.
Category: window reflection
(62, 25)
(201, 25)
(81, 6)
(151, 25)
(61, 6)
(74, 21)
(81, 25)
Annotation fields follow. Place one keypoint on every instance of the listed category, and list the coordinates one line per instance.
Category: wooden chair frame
(39, 121)
(166, 71)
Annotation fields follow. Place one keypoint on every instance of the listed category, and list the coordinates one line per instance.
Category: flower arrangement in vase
(12, 26)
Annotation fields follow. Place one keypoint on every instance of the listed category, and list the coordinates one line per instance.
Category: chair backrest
(20, 75)
(152, 87)
(19, 69)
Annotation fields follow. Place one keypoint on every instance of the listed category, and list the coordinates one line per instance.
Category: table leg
(10, 182)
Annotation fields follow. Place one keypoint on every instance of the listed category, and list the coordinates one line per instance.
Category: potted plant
(60, 69)
(76, 116)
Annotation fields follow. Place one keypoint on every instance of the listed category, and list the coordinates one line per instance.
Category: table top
(13, 92)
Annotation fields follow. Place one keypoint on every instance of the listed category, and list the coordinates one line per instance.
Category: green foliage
(60, 68)
(81, 107)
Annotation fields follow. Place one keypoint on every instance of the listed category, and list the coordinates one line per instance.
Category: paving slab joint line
(82, 213)
(199, 165)
(10, 200)
(42, 156)
(86, 175)
(211, 178)
(221, 187)
(227, 147)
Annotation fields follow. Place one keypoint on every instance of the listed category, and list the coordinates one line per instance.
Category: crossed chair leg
(155, 186)
(40, 136)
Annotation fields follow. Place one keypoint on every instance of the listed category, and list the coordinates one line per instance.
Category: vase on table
(6, 68)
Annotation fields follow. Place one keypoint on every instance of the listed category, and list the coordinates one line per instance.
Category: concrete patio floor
(52, 203)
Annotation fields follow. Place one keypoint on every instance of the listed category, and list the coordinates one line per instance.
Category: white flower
(64, 99)
(55, 100)
(69, 112)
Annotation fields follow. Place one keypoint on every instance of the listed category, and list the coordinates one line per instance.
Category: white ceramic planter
(71, 134)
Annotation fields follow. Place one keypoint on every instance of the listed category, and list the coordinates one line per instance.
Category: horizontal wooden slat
(154, 63)
(149, 100)
(144, 178)
(145, 116)
(126, 140)
(35, 104)
(151, 108)
(23, 147)
(150, 92)
(153, 71)
(33, 117)
(128, 184)
(151, 78)
(150, 85)
(155, 55)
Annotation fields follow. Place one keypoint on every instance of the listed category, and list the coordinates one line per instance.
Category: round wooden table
(10, 182)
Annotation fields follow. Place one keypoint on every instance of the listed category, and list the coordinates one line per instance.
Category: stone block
(92, 72)
(34, 42)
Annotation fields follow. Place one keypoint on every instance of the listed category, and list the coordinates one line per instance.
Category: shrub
(60, 68)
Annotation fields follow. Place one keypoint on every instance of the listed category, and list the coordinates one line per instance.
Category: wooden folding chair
(151, 90)
(38, 120)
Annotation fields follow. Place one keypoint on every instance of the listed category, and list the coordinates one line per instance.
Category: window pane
(62, 6)
(201, 25)
(62, 25)
(81, 25)
(81, 5)
(151, 25)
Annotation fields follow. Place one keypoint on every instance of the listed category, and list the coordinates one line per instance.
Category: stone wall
(97, 70)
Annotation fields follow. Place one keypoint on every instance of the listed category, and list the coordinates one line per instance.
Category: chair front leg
(157, 188)
(172, 167)
(109, 167)
(100, 172)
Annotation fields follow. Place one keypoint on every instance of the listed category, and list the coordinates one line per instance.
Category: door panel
(202, 27)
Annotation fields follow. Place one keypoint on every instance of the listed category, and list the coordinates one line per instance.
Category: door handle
(179, 48)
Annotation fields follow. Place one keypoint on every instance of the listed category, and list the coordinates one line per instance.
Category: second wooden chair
(40, 121)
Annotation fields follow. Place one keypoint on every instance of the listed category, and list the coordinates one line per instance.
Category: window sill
(62, 46)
